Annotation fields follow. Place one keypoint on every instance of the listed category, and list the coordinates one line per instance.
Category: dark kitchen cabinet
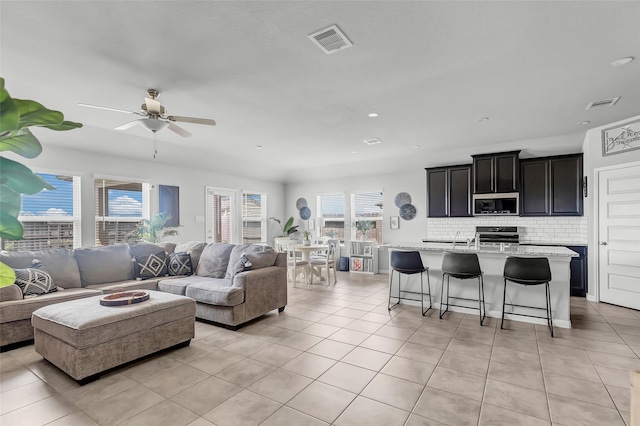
(534, 187)
(496, 172)
(551, 186)
(566, 185)
(579, 271)
(449, 191)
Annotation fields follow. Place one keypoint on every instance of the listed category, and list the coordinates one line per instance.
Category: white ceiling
(430, 69)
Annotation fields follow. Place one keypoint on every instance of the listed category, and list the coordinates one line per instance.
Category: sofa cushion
(34, 280)
(257, 257)
(167, 246)
(60, 263)
(194, 248)
(144, 249)
(120, 286)
(150, 266)
(214, 260)
(178, 285)
(105, 264)
(215, 292)
(17, 310)
(179, 264)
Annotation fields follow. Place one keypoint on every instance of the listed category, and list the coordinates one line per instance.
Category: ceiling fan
(154, 116)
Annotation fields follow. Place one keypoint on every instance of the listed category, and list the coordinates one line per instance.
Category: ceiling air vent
(330, 40)
(374, 141)
(603, 103)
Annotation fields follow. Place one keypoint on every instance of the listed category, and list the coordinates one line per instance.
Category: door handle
(603, 243)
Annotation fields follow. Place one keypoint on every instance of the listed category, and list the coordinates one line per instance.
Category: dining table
(305, 251)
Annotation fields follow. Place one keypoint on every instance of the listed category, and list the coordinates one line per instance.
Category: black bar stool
(528, 271)
(462, 266)
(409, 262)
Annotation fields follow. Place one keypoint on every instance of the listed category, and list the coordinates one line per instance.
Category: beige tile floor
(336, 356)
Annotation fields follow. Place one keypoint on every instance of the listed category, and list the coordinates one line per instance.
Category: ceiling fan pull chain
(155, 145)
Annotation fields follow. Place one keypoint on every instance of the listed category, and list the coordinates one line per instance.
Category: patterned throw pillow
(35, 280)
(151, 266)
(180, 264)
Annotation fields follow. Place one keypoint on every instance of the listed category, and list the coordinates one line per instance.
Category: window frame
(320, 226)
(263, 215)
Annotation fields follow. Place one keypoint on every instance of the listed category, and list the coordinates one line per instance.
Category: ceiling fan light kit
(154, 117)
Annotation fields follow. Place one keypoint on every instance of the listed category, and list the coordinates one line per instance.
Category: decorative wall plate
(408, 212)
(401, 199)
(302, 202)
(305, 213)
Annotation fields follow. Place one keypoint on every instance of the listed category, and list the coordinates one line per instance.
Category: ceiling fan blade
(194, 120)
(110, 109)
(153, 105)
(128, 125)
(179, 130)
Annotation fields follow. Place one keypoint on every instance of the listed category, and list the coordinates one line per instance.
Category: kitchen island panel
(492, 264)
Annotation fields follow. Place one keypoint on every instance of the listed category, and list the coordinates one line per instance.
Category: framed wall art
(622, 138)
(169, 203)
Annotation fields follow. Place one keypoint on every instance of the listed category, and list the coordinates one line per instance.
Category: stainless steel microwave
(496, 204)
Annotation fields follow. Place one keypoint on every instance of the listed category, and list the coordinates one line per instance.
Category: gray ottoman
(84, 338)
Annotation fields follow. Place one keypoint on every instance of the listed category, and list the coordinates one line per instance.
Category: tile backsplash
(565, 230)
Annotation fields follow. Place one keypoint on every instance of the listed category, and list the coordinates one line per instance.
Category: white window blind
(254, 218)
(331, 207)
(367, 206)
(119, 206)
(50, 219)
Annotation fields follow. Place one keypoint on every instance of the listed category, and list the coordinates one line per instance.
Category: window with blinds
(119, 207)
(254, 218)
(367, 206)
(50, 219)
(331, 208)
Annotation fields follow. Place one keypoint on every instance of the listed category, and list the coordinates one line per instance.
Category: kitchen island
(492, 263)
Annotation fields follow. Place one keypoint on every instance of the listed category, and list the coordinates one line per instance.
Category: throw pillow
(180, 264)
(35, 280)
(150, 266)
(214, 260)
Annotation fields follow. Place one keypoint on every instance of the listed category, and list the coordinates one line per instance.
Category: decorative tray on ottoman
(124, 298)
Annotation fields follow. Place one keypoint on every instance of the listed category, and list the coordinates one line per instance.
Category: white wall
(191, 181)
(594, 160)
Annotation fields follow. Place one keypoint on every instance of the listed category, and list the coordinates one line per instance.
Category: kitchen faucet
(454, 239)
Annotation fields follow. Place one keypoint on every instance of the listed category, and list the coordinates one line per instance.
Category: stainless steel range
(496, 235)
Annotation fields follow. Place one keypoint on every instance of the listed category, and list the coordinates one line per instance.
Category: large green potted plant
(16, 117)
(288, 227)
(153, 230)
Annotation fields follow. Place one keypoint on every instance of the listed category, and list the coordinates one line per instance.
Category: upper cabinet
(449, 191)
(496, 172)
(551, 186)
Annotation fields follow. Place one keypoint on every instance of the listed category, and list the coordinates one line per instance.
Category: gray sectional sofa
(227, 289)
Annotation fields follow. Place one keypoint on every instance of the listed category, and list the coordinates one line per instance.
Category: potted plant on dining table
(306, 235)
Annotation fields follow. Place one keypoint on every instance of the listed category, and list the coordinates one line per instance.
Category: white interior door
(221, 216)
(619, 236)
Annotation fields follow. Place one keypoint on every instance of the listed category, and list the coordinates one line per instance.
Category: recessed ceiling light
(258, 146)
(354, 152)
(373, 115)
(582, 123)
(622, 61)
(415, 146)
(374, 141)
(483, 119)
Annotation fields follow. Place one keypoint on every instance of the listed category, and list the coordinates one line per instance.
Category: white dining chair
(327, 262)
(295, 265)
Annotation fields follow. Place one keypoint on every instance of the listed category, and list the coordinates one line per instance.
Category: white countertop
(519, 250)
